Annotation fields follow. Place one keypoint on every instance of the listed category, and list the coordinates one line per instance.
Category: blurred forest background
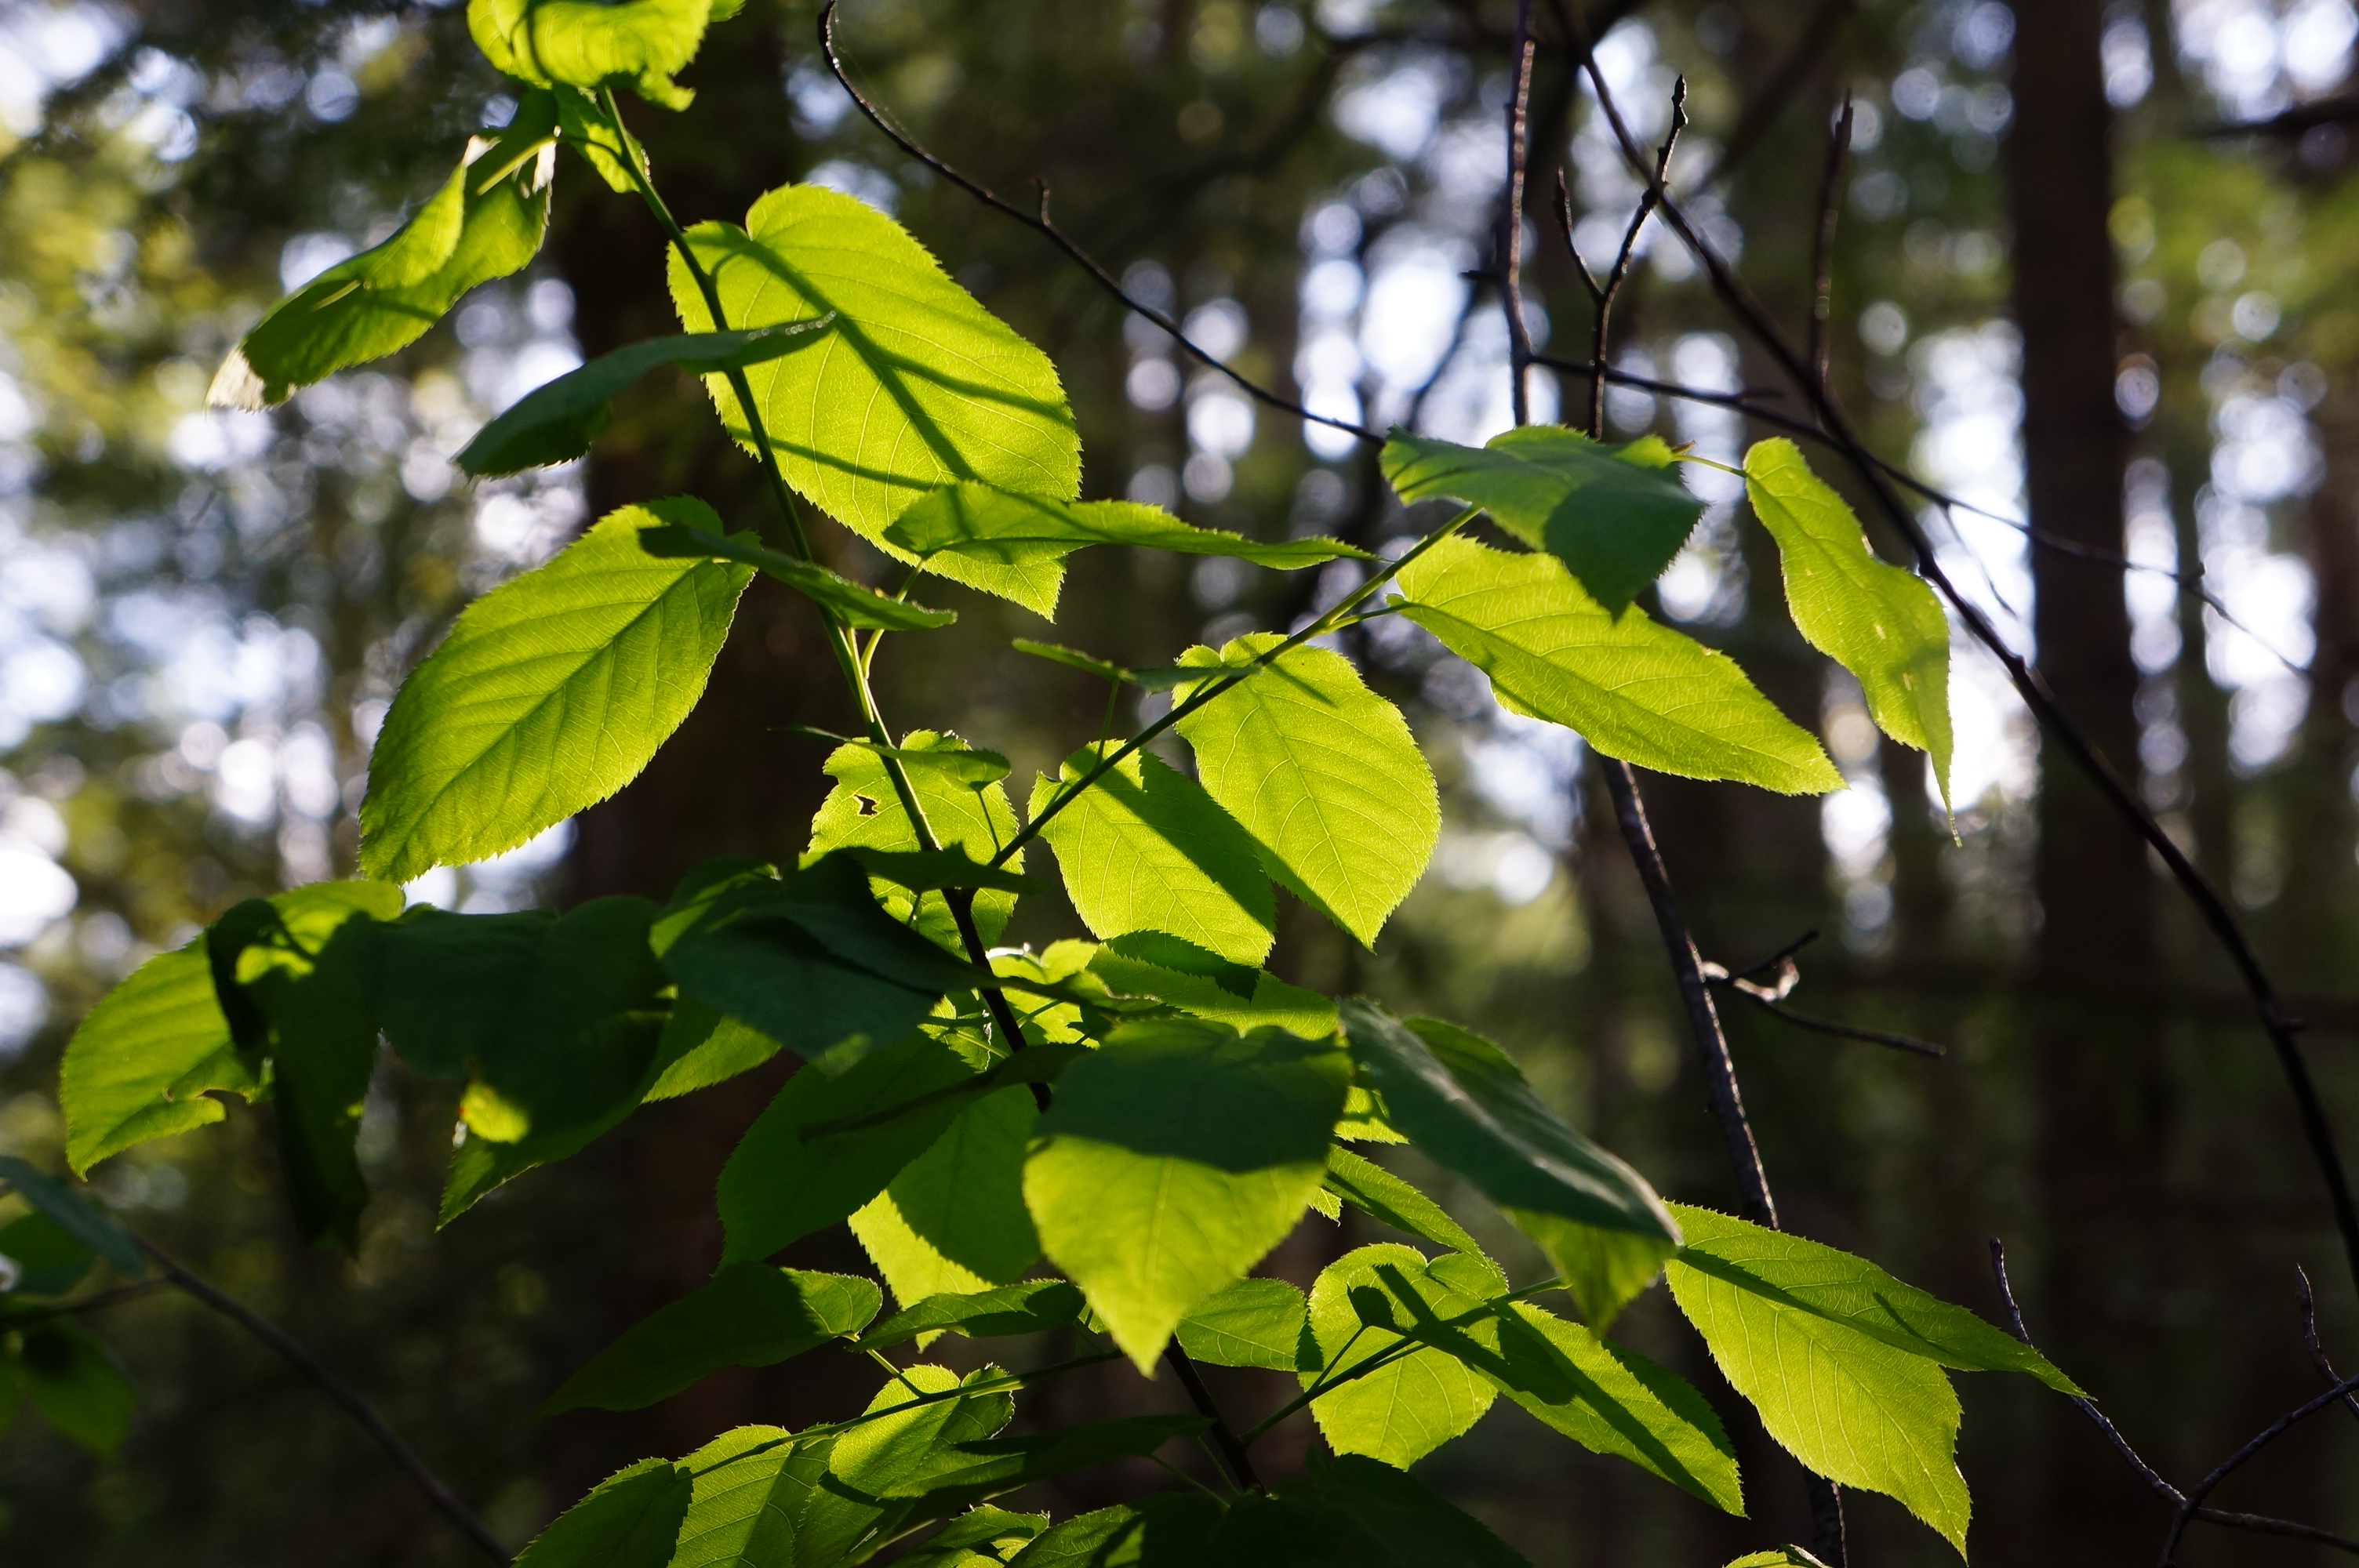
(202, 616)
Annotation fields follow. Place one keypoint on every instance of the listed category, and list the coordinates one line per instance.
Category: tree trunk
(2100, 1155)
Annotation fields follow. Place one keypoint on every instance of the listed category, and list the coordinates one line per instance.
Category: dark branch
(1761, 111)
(2309, 1336)
(1231, 1447)
(1822, 252)
(337, 1392)
(2317, 1130)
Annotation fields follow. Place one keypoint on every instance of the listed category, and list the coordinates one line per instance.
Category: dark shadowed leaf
(749, 1316)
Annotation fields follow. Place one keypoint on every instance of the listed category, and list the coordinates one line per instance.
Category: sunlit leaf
(1249, 1323)
(968, 812)
(1173, 1159)
(953, 1219)
(1030, 1306)
(630, 1519)
(857, 606)
(1363, 1305)
(1322, 772)
(1631, 688)
(1145, 849)
(587, 43)
(550, 693)
(148, 1059)
(1379, 1193)
(1881, 623)
(1151, 963)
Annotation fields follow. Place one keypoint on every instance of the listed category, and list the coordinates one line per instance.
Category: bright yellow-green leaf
(630, 1519)
(1145, 849)
(1249, 1322)
(1014, 545)
(550, 693)
(1881, 623)
(1362, 1305)
(863, 812)
(584, 43)
(916, 387)
(954, 1221)
(147, 1061)
(1324, 773)
(1173, 1159)
(1149, 963)
(1631, 688)
(1379, 1193)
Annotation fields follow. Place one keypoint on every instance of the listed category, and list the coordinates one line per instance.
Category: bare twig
(2194, 1504)
(1763, 107)
(338, 1391)
(2318, 1356)
(97, 1301)
(2185, 1506)
(1231, 1448)
(2280, 1027)
(1823, 243)
(1511, 248)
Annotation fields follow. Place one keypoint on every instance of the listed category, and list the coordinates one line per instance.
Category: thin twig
(98, 1300)
(2193, 1505)
(2259, 1523)
(337, 1392)
(1840, 1031)
(1234, 1457)
(1511, 250)
(1823, 243)
(2318, 1356)
(1763, 107)
(2317, 1130)
(1041, 224)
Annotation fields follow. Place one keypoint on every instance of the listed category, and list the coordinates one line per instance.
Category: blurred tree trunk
(2100, 1155)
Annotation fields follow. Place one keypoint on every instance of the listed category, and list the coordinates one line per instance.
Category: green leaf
(1014, 545)
(856, 605)
(1249, 1322)
(953, 1220)
(969, 815)
(1071, 658)
(1322, 772)
(919, 385)
(1167, 1530)
(550, 693)
(1031, 1306)
(1614, 515)
(1878, 622)
(1377, 1193)
(778, 1188)
(39, 1257)
(307, 974)
(930, 870)
(1831, 1386)
(1354, 1512)
(1149, 963)
(756, 1498)
(808, 960)
(1363, 1304)
(1603, 1271)
(76, 1215)
(484, 223)
(994, 1465)
(1464, 1102)
(1633, 689)
(1812, 1276)
(1174, 1158)
(701, 1047)
(1145, 849)
(1612, 1400)
(76, 1383)
(982, 1537)
(750, 1314)
(630, 1519)
(556, 421)
(140, 1067)
(585, 43)
(555, 1020)
(1783, 1557)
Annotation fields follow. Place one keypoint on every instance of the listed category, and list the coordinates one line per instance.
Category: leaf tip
(236, 385)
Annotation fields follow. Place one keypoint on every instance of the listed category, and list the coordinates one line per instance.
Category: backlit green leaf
(857, 606)
(967, 813)
(307, 977)
(1631, 688)
(1783, 1557)
(1362, 1305)
(701, 1047)
(953, 1219)
(1145, 849)
(142, 1064)
(1613, 1401)
(585, 43)
(990, 1467)
(1881, 623)
(556, 421)
(982, 1537)
(1020, 541)
(550, 693)
(1030, 1306)
(630, 1519)
(1174, 1158)
(1614, 515)
(1249, 1322)
(76, 1382)
(1166, 1530)
(1464, 1102)
(750, 1314)
(1379, 1193)
(1149, 963)
(1324, 773)
(916, 387)
(778, 1188)
(484, 223)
